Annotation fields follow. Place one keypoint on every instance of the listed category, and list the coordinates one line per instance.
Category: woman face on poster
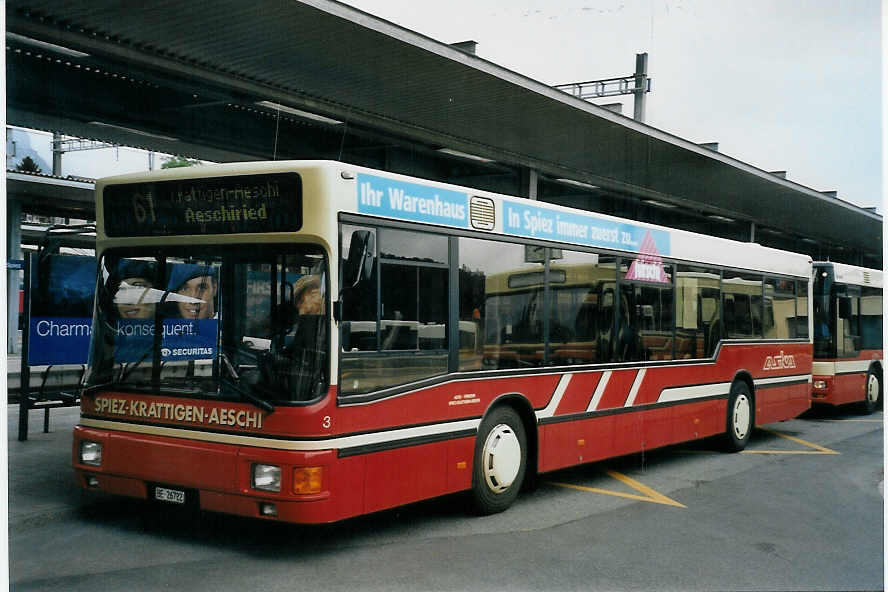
(200, 293)
(132, 298)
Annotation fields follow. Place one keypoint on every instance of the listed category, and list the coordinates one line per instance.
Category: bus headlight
(91, 453)
(267, 477)
(820, 384)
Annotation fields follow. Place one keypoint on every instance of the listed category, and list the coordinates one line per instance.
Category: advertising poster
(184, 312)
(62, 291)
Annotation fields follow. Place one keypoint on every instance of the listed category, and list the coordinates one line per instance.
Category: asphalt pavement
(41, 481)
(800, 509)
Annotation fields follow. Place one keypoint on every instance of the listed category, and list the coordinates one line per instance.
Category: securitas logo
(779, 361)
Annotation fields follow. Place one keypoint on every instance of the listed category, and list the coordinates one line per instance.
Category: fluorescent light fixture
(466, 155)
(809, 240)
(298, 112)
(46, 46)
(134, 131)
(718, 218)
(659, 204)
(577, 183)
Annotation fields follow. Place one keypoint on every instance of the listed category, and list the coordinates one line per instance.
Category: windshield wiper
(88, 390)
(247, 395)
(234, 383)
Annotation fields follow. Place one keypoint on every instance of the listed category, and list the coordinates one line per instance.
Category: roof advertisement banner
(401, 200)
(532, 221)
(411, 201)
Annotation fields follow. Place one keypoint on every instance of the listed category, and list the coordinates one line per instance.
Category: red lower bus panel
(405, 475)
(844, 378)
(780, 403)
(590, 440)
(841, 389)
(113, 485)
(183, 462)
(221, 475)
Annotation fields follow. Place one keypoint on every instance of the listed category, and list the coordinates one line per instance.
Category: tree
(175, 162)
(27, 165)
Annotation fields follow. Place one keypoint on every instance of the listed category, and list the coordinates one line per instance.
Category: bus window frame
(453, 297)
(162, 254)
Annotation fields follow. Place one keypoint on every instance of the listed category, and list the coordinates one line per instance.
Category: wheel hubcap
(741, 417)
(872, 388)
(501, 457)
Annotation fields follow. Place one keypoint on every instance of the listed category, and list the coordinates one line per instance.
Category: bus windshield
(238, 322)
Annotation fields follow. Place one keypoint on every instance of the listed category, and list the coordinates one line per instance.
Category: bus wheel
(500, 461)
(740, 419)
(873, 391)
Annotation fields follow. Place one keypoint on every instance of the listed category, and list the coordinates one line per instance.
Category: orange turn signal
(307, 479)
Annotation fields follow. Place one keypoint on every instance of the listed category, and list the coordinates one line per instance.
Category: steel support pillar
(530, 179)
(641, 71)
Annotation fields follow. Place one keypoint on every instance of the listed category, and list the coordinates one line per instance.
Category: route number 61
(143, 208)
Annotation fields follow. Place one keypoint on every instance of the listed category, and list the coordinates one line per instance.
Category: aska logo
(648, 266)
(779, 361)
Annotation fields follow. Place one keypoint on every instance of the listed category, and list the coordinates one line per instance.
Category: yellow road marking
(817, 448)
(649, 494)
(857, 420)
(787, 452)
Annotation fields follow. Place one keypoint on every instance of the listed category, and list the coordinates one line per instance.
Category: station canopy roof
(205, 78)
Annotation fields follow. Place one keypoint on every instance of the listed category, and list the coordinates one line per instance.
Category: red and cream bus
(847, 335)
(310, 341)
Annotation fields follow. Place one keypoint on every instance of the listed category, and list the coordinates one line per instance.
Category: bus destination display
(223, 205)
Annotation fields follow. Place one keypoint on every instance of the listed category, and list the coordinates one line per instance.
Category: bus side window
(848, 323)
(394, 328)
(742, 294)
(581, 313)
(503, 295)
(780, 309)
(698, 325)
(802, 310)
(646, 315)
(871, 318)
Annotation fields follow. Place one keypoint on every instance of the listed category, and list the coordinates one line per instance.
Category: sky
(783, 85)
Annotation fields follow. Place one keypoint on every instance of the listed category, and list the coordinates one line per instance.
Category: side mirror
(359, 265)
(844, 307)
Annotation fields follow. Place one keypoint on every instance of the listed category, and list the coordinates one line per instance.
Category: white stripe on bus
(404, 434)
(599, 391)
(683, 393)
(839, 367)
(636, 384)
(549, 411)
(299, 445)
(779, 379)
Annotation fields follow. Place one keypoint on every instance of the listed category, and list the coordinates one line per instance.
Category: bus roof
(851, 274)
(362, 190)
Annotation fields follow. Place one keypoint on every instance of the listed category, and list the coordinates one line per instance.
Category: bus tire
(740, 417)
(872, 396)
(500, 461)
